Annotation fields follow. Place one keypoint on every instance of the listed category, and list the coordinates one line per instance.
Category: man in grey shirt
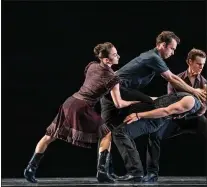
(139, 72)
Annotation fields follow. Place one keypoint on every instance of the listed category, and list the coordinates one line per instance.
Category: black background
(45, 47)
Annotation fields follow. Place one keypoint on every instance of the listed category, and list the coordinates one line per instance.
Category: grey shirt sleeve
(158, 65)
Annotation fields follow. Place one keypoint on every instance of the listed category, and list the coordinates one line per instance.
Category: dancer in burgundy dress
(77, 122)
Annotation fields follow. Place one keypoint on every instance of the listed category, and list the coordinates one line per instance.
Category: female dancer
(77, 122)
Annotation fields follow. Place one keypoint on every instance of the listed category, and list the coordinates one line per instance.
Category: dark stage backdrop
(45, 47)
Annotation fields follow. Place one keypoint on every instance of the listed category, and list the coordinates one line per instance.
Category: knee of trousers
(120, 134)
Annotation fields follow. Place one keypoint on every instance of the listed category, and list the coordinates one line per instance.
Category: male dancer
(164, 109)
(192, 76)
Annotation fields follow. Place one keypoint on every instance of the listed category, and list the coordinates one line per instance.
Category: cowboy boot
(29, 172)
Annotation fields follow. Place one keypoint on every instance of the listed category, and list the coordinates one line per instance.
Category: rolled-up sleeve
(158, 65)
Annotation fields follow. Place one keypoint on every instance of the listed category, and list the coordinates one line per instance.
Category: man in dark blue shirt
(139, 72)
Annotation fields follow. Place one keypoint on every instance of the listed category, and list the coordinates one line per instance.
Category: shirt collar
(157, 52)
(186, 75)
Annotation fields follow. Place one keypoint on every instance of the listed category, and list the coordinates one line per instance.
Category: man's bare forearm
(178, 83)
(156, 113)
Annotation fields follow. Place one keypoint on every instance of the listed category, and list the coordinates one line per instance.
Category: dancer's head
(196, 60)
(107, 53)
(166, 43)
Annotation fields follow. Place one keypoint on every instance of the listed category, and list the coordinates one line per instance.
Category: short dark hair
(102, 50)
(194, 53)
(167, 36)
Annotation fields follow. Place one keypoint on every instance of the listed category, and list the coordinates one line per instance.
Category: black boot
(150, 177)
(29, 172)
(111, 169)
(103, 166)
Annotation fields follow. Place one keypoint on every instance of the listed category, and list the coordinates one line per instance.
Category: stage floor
(163, 181)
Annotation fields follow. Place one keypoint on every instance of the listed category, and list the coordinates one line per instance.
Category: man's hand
(202, 109)
(200, 94)
(131, 118)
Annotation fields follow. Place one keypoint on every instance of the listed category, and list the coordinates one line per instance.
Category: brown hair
(103, 50)
(167, 36)
(194, 53)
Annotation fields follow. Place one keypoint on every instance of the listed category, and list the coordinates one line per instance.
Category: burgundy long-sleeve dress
(77, 122)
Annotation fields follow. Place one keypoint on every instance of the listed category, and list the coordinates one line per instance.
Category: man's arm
(159, 66)
(178, 83)
(184, 105)
(170, 88)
